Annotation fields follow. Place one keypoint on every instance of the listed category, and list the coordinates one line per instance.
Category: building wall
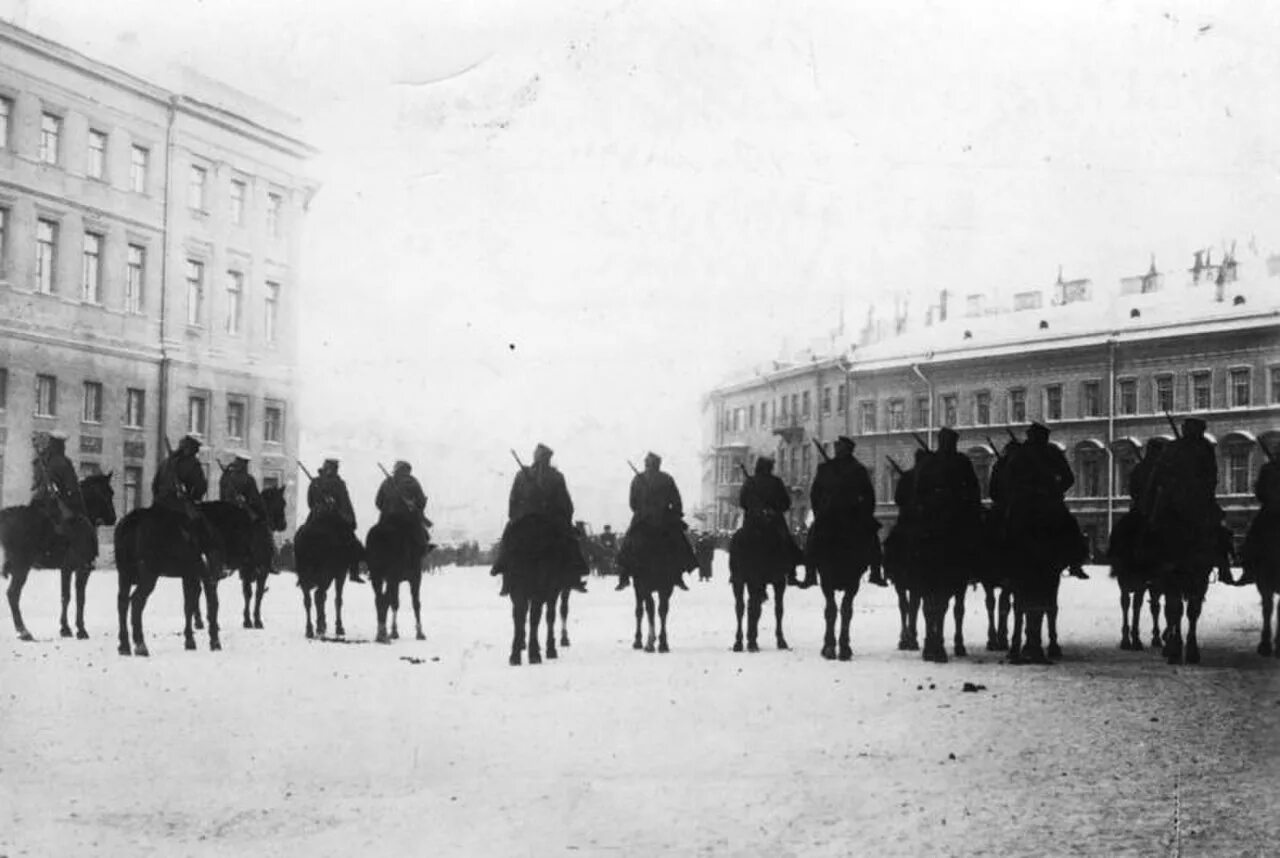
(80, 336)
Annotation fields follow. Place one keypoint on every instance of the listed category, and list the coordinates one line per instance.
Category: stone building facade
(149, 268)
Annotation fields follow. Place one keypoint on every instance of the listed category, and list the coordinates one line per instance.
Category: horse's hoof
(637, 644)
(311, 634)
(782, 643)
(65, 631)
(82, 635)
(752, 646)
(992, 646)
(1136, 645)
(395, 635)
(846, 654)
(552, 652)
(124, 649)
(189, 644)
(1264, 648)
(961, 652)
(535, 657)
(1193, 655)
(564, 640)
(420, 636)
(1054, 651)
(737, 646)
(198, 625)
(141, 650)
(514, 661)
(382, 638)
(215, 645)
(913, 645)
(649, 647)
(257, 624)
(904, 645)
(248, 624)
(339, 632)
(662, 647)
(1125, 645)
(829, 652)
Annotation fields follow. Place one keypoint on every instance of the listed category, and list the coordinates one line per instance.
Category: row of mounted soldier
(943, 540)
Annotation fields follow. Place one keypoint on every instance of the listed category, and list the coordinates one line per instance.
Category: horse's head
(273, 500)
(99, 498)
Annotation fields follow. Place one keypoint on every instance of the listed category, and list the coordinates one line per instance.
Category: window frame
(981, 404)
(196, 313)
(1047, 402)
(277, 406)
(235, 302)
(55, 228)
(42, 153)
(132, 420)
(52, 404)
(1156, 406)
(135, 292)
(241, 402)
(1091, 398)
(1232, 373)
(101, 160)
(91, 280)
(1130, 383)
(91, 405)
(1192, 377)
(139, 173)
(198, 191)
(201, 397)
(1017, 396)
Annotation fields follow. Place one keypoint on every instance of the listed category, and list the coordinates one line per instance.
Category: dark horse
(390, 554)
(761, 554)
(539, 559)
(1262, 559)
(1135, 579)
(156, 541)
(902, 567)
(840, 552)
(656, 560)
(326, 551)
(29, 540)
(257, 562)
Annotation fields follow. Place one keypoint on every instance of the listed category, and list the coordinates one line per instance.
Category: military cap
(947, 433)
(330, 460)
(58, 435)
(1038, 428)
(845, 439)
(190, 441)
(1194, 426)
(652, 457)
(400, 465)
(542, 451)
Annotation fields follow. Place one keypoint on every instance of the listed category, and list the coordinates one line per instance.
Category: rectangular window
(197, 415)
(1017, 405)
(982, 408)
(50, 135)
(804, 405)
(1127, 396)
(91, 270)
(1053, 402)
(4, 242)
(1090, 399)
(92, 412)
(1090, 475)
(1200, 391)
(782, 410)
(196, 187)
(842, 399)
(897, 415)
(139, 162)
(132, 488)
(235, 300)
(97, 167)
(272, 424)
(922, 412)
(1163, 391)
(795, 407)
(737, 420)
(275, 205)
(751, 416)
(867, 417)
(135, 407)
(4, 387)
(1240, 388)
(826, 400)
(46, 256)
(6, 111)
(1238, 471)
(237, 202)
(235, 419)
(1274, 372)
(950, 415)
(195, 292)
(46, 396)
(135, 271)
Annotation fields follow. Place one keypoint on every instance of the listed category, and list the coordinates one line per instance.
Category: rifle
(1172, 425)
(1266, 451)
(822, 450)
(994, 448)
(895, 465)
(410, 504)
(305, 472)
(923, 446)
(1012, 437)
(633, 468)
(514, 456)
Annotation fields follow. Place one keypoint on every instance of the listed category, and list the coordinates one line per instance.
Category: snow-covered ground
(282, 746)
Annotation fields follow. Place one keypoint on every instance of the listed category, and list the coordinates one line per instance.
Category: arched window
(1090, 461)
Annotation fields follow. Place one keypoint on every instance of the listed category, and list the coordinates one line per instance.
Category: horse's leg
(1153, 599)
(755, 606)
(380, 607)
(650, 643)
(306, 604)
(393, 600)
(639, 642)
(958, 617)
(1051, 620)
(122, 611)
(779, 592)
(564, 618)
(829, 612)
(739, 608)
(259, 589)
(65, 627)
(1125, 633)
(146, 582)
(190, 589)
(550, 648)
(246, 588)
(415, 596)
(913, 616)
(932, 640)
(82, 585)
(1135, 621)
(211, 605)
(1173, 623)
(1195, 601)
(322, 616)
(846, 617)
(993, 637)
(1270, 590)
(1015, 638)
(664, 605)
(1264, 647)
(535, 619)
(1004, 606)
(339, 581)
(519, 610)
(903, 606)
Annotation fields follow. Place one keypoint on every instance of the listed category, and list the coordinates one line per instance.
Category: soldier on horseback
(1266, 523)
(1040, 478)
(765, 502)
(1181, 493)
(54, 486)
(238, 487)
(401, 501)
(1128, 530)
(539, 493)
(657, 523)
(327, 496)
(179, 485)
(843, 499)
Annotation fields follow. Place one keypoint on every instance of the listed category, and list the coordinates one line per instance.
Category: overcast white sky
(565, 221)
